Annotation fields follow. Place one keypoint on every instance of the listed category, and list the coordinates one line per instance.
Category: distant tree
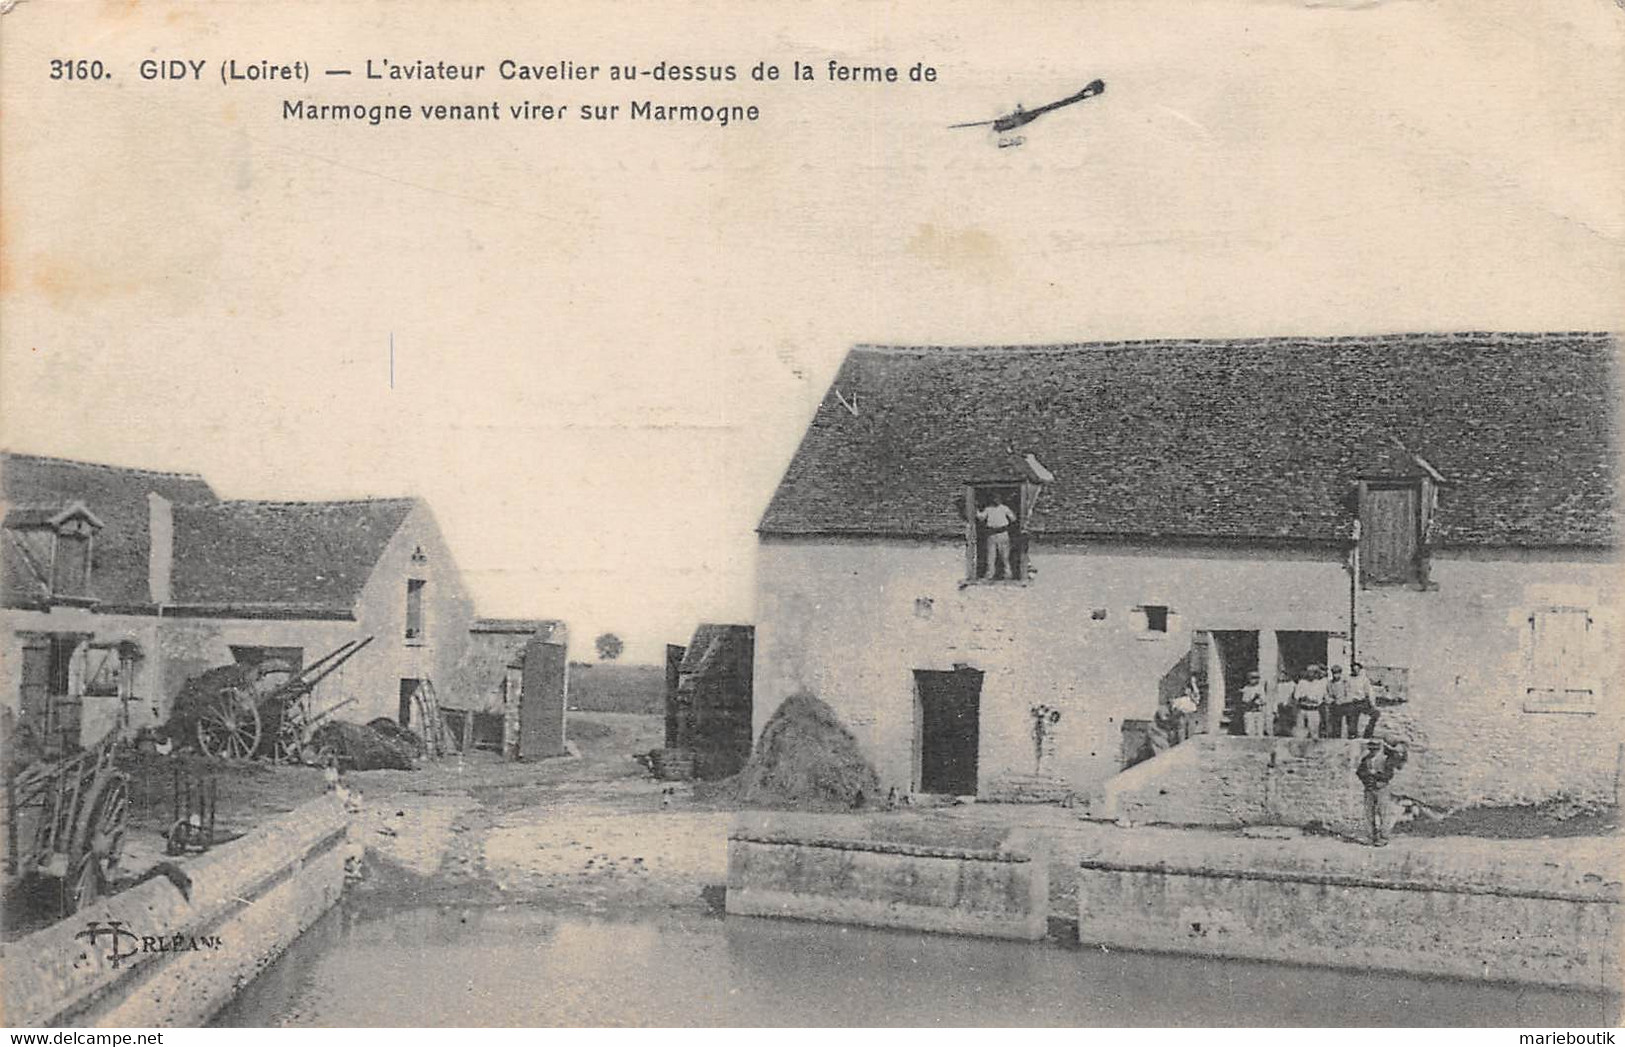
(609, 647)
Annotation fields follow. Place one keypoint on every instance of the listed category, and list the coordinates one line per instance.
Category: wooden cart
(65, 823)
(267, 709)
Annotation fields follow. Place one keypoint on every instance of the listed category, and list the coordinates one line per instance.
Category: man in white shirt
(1362, 701)
(1254, 704)
(996, 520)
(1310, 694)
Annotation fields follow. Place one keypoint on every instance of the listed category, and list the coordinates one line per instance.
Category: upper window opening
(414, 609)
(1156, 619)
(994, 531)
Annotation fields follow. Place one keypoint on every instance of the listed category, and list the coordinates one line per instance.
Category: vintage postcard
(884, 515)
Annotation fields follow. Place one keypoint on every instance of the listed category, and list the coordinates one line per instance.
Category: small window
(996, 543)
(1153, 621)
(1561, 660)
(414, 610)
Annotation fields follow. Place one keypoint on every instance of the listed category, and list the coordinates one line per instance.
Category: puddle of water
(527, 967)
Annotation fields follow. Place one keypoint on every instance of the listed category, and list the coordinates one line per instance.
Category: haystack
(806, 758)
(202, 692)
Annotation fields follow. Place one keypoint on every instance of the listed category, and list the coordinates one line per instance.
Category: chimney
(161, 552)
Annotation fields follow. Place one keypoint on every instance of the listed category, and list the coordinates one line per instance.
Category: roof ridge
(234, 503)
(1264, 341)
(18, 455)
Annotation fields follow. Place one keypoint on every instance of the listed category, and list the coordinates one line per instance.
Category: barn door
(949, 730)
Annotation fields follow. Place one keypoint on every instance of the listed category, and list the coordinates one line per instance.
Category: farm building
(120, 584)
(1179, 514)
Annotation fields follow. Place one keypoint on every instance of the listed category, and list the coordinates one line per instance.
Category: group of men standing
(1311, 704)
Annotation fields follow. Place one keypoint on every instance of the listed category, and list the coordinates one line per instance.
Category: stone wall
(246, 902)
(816, 868)
(1450, 912)
(1223, 780)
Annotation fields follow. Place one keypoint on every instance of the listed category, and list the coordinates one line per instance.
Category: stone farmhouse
(120, 584)
(1439, 507)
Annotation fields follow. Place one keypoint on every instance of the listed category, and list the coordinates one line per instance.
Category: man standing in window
(996, 520)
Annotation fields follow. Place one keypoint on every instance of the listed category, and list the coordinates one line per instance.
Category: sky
(608, 338)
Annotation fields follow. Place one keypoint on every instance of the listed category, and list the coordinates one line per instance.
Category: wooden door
(1388, 534)
(949, 728)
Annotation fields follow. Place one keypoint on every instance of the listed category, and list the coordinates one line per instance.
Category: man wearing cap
(1382, 761)
(1310, 694)
(1337, 705)
(1254, 704)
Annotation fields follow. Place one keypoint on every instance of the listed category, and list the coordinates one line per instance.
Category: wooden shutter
(1023, 542)
(1388, 534)
(72, 565)
(970, 532)
(1560, 656)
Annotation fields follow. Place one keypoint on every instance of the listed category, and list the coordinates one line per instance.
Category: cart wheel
(112, 816)
(83, 886)
(229, 728)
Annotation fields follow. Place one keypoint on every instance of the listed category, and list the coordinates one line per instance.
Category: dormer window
(58, 548)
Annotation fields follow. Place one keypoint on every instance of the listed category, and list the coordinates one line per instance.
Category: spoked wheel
(106, 838)
(230, 728)
(83, 885)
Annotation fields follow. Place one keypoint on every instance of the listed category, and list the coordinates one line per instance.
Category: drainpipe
(1354, 593)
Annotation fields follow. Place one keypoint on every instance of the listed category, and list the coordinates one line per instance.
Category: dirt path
(592, 832)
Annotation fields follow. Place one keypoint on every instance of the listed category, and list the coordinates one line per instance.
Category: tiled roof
(118, 498)
(707, 643)
(1223, 439)
(312, 556)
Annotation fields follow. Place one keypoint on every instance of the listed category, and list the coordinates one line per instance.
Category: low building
(120, 584)
(1178, 513)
